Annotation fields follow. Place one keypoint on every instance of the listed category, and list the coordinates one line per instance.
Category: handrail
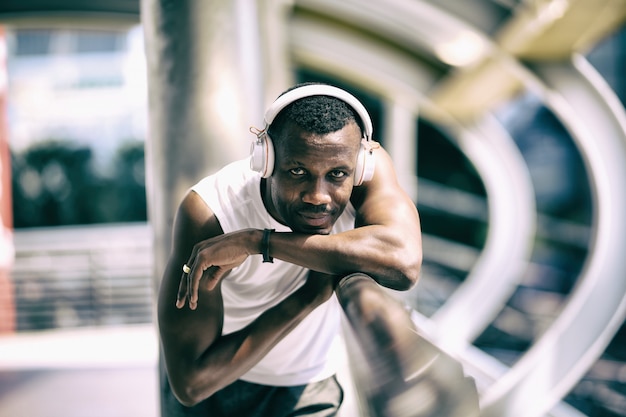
(404, 374)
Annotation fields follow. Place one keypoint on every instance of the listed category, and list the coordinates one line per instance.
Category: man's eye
(337, 174)
(297, 171)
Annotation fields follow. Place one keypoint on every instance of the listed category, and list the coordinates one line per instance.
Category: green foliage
(55, 184)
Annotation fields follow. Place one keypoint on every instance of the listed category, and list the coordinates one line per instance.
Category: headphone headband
(320, 90)
(262, 149)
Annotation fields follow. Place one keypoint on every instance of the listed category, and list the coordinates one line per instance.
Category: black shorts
(246, 399)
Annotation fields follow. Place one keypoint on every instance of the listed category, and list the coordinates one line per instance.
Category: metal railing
(83, 276)
(396, 370)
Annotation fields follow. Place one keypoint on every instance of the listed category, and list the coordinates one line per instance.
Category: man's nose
(316, 193)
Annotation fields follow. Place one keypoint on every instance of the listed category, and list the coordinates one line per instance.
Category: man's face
(313, 177)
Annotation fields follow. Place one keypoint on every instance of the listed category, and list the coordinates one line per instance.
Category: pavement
(104, 372)
(79, 393)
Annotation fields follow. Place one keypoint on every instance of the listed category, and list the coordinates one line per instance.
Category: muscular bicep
(382, 201)
(185, 334)
(389, 218)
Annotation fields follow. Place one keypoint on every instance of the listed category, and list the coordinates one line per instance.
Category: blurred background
(505, 119)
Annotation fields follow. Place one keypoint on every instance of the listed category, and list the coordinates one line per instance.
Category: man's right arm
(199, 360)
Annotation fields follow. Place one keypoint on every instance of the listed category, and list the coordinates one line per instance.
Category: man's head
(316, 141)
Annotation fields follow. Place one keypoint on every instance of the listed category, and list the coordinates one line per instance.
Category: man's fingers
(189, 288)
(182, 292)
(194, 283)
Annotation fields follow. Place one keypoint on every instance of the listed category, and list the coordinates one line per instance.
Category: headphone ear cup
(262, 155)
(365, 165)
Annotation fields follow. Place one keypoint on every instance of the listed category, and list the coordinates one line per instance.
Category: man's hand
(210, 260)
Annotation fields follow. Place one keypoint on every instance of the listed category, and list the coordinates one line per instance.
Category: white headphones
(262, 149)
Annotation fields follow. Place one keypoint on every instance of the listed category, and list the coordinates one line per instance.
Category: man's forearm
(394, 261)
(232, 355)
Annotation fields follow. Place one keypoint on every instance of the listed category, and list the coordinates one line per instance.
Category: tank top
(306, 354)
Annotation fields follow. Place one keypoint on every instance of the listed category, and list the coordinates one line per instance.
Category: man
(247, 326)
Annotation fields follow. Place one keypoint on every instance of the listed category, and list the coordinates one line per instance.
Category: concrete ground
(131, 392)
(108, 372)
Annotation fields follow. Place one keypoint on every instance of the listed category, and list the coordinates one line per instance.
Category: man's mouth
(318, 219)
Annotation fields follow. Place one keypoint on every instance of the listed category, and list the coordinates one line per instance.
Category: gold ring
(186, 269)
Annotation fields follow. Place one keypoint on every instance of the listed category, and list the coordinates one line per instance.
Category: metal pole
(404, 375)
(199, 108)
(203, 97)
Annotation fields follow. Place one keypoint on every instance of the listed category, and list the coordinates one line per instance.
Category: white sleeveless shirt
(306, 354)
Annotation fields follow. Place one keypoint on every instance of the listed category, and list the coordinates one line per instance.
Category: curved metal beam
(546, 30)
(436, 35)
(499, 268)
(553, 30)
(597, 306)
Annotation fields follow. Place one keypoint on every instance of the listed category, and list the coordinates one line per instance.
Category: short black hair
(317, 114)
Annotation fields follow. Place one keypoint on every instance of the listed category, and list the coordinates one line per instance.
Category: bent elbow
(409, 273)
(186, 400)
(405, 283)
(188, 395)
(190, 392)
(185, 394)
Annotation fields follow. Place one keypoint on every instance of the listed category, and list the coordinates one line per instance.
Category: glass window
(98, 41)
(32, 42)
